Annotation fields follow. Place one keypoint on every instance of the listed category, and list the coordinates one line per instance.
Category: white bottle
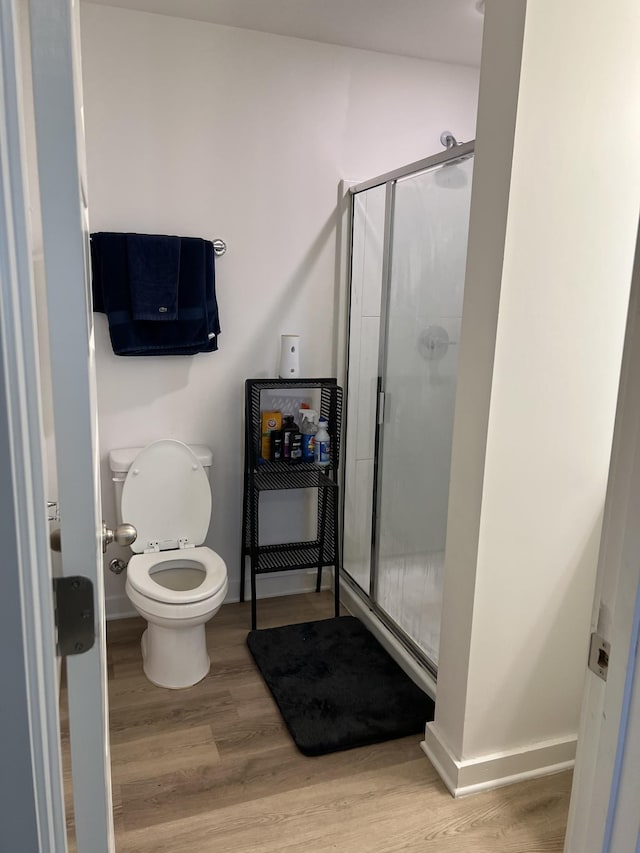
(322, 443)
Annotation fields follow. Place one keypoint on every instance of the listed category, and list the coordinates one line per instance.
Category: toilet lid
(166, 497)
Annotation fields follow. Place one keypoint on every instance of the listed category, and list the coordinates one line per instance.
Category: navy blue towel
(154, 267)
(197, 326)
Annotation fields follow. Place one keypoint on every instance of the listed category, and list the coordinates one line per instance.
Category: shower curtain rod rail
(457, 152)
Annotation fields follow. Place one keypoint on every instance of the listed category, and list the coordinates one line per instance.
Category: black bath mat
(336, 686)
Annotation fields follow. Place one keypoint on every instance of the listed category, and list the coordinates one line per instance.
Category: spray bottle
(308, 429)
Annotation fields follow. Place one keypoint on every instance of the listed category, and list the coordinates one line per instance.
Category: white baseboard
(394, 647)
(119, 607)
(268, 586)
(498, 769)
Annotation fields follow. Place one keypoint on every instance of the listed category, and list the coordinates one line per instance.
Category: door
(55, 63)
(422, 312)
(408, 258)
(31, 805)
(622, 830)
(604, 816)
(367, 262)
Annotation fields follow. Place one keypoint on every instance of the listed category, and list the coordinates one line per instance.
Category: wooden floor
(212, 768)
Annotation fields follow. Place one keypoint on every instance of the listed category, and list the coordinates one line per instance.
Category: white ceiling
(445, 30)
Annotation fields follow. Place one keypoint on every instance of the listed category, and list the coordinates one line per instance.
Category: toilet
(174, 582)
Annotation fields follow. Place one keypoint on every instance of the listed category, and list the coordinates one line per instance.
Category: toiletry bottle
(295, 446)
(289, 429)
(322, 442)
(308, 429)
(276, 445)
(270, 421)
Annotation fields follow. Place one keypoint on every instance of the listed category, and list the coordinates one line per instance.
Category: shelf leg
(322, 530)
(255, 541)
(336, 556)
(254, 614)
(243, 547)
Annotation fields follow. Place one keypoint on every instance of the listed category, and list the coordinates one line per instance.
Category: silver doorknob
(124, 534)
(55, 540)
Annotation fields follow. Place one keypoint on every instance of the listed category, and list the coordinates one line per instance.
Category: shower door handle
(381, 402)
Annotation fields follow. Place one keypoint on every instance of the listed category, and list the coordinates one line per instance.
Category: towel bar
(219, 247)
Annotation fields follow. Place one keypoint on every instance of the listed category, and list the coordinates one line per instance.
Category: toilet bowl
(174, 582)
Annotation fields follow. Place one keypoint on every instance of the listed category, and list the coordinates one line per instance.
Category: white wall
(212, 131)
(532, 444)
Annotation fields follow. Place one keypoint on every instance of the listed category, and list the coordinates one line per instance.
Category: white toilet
(173, 581)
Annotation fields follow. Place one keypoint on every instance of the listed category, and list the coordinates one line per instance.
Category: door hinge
(380, 407)
(74, 614)
(599, 651)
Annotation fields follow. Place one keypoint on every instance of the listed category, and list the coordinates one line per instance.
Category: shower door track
(400, 635)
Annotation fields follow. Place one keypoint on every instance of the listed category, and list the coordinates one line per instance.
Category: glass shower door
(422, 331)
(367, 262)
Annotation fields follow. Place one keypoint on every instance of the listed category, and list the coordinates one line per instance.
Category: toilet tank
(120, 461)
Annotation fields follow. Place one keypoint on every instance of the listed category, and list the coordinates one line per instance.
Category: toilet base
(175, 657)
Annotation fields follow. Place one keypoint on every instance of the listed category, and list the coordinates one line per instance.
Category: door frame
(622, 817)
(602, 729)
(33, 801)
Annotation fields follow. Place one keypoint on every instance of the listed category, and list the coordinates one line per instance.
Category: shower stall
(408, 254)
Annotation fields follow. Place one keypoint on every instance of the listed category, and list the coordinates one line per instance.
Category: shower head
(448, 139)
(449, 175)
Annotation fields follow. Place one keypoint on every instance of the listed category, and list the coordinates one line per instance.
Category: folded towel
(154, 267)
(197, 326)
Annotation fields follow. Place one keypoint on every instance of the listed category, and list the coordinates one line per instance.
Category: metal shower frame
(454, 153)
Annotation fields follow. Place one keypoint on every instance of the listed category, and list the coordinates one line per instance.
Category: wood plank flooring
(212, 768)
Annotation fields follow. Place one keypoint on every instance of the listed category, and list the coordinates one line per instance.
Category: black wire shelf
(293, 479)
(262, 476)
(295, 555)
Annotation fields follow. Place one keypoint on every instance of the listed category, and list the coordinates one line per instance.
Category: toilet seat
(141, 569)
